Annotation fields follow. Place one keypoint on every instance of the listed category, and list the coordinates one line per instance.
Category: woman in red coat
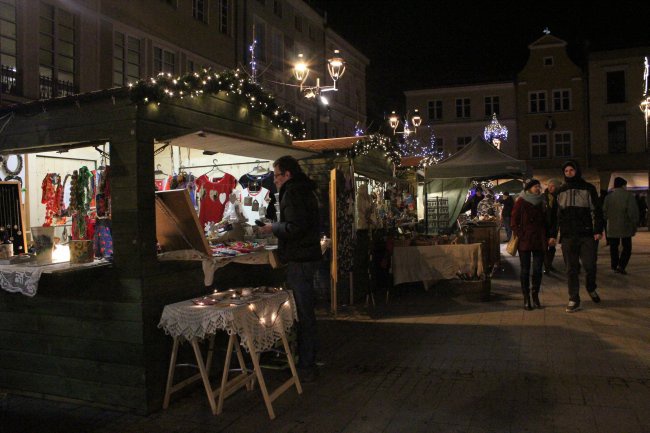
(528, 222)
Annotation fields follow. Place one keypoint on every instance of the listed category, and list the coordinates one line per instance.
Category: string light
(165, 86)
(377, 142)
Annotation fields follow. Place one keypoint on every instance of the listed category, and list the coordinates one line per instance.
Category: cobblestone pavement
(433, 362)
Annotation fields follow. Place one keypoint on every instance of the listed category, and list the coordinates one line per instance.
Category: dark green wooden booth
(91, 335)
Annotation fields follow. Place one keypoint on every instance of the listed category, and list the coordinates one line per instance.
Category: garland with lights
(194, 84)
(378, 142)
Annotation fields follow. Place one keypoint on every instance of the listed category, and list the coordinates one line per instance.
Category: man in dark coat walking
(580, 221)
(622, 214)
(299, 247)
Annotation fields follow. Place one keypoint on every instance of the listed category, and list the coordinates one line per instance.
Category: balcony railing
(9, 80)
(51, 88)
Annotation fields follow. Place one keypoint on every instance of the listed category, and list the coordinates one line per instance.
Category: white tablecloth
(262, 319)
(436, 262)
(211, 264)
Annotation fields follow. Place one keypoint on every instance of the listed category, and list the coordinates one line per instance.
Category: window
(563, 143)
(462, 108)
(277, 8)
(615, 87)
(561, 100)
(539, 146)
(191, 66)
(439, 144)
(297, 22)
(262, 2)
(200, 10)
(8, 50)
(537, 102)
(491, 105)
(126, 59)
(224, 17)
(172, 3)
(462, 142)
(435, 110)
(277, 49)
(616, 137)
(548, 61)
(163, 61)
(312, 32)
(56, 51)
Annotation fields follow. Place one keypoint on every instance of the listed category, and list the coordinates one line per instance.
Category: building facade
(51, 48)
(551, 108)
(554, 111)
(457, 114)
(617, 125)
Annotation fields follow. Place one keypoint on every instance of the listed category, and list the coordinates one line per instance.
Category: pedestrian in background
(508, 202)
(643, 208)
(529, 225)
(550, 198)
(580, 222)
(622, 215)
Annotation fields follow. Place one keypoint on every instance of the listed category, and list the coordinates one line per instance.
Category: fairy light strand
(231, 82)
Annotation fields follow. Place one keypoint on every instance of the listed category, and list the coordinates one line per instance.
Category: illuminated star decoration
(495, 132)
(195, 84)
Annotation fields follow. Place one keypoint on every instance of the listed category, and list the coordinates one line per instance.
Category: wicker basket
(476, 291)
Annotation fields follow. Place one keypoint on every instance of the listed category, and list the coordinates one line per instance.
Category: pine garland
(195, 84)
(378, 142)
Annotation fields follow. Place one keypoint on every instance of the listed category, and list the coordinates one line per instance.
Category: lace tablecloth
(211, 264)
(262, 319)
(24, 278)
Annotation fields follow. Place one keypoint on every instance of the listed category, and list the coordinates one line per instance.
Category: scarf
(534, 199)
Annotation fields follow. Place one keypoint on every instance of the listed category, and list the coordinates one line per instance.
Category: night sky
(419, 44)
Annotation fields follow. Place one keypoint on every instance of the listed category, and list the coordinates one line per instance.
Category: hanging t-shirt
(252, 202)
(254, 183)
(213, 197)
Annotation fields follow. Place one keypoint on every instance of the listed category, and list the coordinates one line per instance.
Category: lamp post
(335, 69)
(644, 106)
(495, 133)
(394, 121)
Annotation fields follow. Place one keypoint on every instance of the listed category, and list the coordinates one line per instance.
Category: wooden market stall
(344, 166)
(90, 334)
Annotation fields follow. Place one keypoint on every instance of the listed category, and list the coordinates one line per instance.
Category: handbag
(511, 247)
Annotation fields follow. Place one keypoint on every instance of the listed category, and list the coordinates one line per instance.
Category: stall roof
(339, 143)
(231, 144)
(216, 123)
(372, 165)
(479, 160)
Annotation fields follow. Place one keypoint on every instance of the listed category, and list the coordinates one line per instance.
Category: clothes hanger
(215, 167)
(258, 168)
(158, 171)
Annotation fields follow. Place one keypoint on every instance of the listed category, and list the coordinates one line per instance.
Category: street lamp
(394, 121)
(335, 68)
(644, 106)
(495, 132)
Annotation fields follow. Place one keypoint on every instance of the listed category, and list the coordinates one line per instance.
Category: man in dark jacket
(299, 247)
(580, 221)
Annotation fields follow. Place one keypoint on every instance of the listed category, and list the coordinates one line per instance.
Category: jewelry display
(11, 227)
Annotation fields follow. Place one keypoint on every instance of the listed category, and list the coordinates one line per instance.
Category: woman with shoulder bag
(528, 222)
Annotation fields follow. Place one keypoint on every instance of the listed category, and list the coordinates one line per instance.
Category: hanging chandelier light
(495, 132)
